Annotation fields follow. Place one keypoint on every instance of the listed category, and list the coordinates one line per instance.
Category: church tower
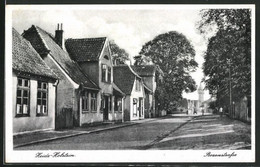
(201, 94)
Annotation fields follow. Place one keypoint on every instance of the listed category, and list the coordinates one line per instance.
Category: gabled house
(34, 88)
(77, 96)
(94, 57)
(131, 84)
(147, 72)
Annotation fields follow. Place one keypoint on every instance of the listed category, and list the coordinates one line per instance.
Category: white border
(125, 155)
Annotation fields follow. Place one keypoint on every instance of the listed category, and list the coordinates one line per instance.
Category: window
(134, 107)
(93, 102)
(118, 104)
(115, 104)
(109, 74)
(42, 97)
(106, 57)
(110, 103)
(22, 99)
(103, 73)
(138, 86)
(102, 101)
(85, 101)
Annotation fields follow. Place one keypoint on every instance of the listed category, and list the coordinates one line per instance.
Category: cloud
(130, 29)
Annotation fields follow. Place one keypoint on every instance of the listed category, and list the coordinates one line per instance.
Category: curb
(72, 135)
(81, 133)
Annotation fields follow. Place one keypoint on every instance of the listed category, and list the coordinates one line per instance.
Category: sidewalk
(43, 136)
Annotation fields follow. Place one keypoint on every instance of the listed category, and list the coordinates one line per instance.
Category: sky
(129, 27)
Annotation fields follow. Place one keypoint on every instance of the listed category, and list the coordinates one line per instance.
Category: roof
(124, 78)
(117, 91)
(144, 70)
(85, 49)
(147, 88)
(44, 42)
(26, 59)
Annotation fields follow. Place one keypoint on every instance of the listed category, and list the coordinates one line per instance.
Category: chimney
(59, 36)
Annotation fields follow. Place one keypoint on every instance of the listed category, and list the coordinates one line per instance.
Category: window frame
(135, 107)
(109, 74)
(138, 85)
(42, 90)
(85, 97)
(106, 73)
(22, 88)
(93, 99)
(103, 72)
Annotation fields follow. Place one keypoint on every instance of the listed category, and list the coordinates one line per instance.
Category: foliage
(119, 55)
(228, 56)
(174, 56)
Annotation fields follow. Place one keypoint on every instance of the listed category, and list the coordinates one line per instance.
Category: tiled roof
(85, 49)
(144, 70)
(117, 91)
(124, 78)
(147, 88)
(26, 59)
(44, 42)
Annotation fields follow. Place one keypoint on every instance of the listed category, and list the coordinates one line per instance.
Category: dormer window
(106, 57)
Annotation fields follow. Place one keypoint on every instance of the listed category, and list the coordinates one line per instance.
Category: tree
(228, 56)
(174, 55)
(119, 55)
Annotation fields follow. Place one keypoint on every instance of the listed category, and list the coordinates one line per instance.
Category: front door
(105, 112)
(141, 104)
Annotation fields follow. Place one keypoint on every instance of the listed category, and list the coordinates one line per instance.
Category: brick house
(94, 57)
(147, 72)
(131, 84)
(77, 96)
(34, 88)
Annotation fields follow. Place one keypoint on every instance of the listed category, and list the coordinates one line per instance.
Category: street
(179, 132)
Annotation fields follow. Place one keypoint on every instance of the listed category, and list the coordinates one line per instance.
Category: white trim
(75, 85)
(33, 131)
(103, 50)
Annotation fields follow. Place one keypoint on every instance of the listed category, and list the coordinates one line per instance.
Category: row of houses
(61, 84)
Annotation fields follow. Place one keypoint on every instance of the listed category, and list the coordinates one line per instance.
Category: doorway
(105, 109)
(141, 107)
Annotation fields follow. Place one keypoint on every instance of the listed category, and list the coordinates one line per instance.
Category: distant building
(131, 84)
(147, 72)
(34, 88)
(94, 57)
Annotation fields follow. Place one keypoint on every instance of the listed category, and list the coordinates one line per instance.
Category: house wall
(127, 108)
(105, 87)
(137, 95)
(67, 98)
(150, 82)
(90, 117)
(33, 122)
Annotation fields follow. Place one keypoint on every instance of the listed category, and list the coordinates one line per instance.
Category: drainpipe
(56, 106)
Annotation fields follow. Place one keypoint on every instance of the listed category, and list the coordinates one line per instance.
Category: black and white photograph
(130, 83)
